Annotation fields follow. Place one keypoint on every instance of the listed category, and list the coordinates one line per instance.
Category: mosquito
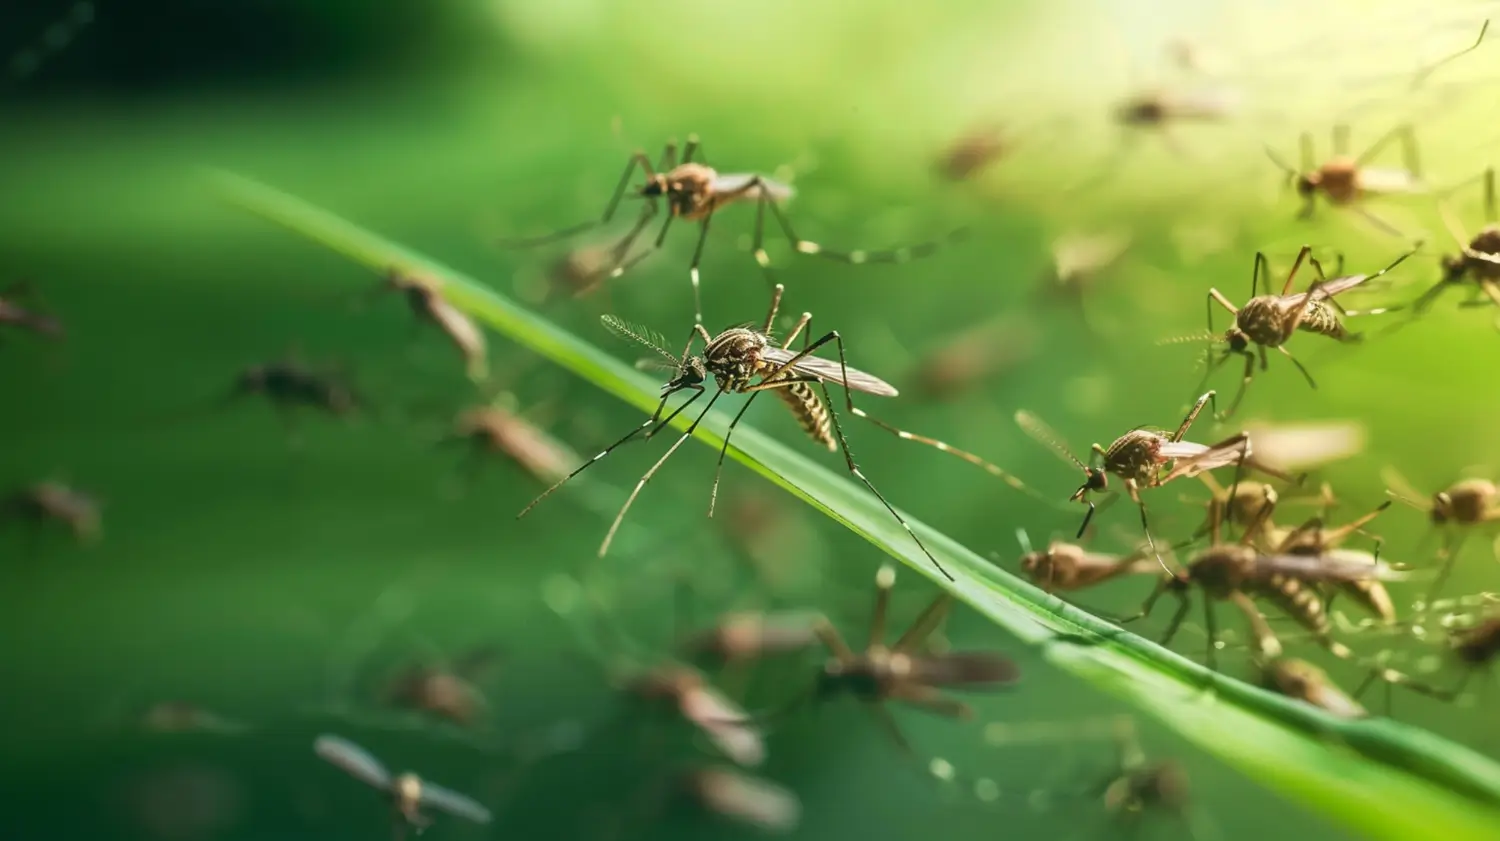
(1268, 321)
(1313, 539)
(446, 691)
(694, 192)
(974, 356)
(1478, 260)
(1347, 181)
(1239, 573)
(498, 429)
(1139, 456)
(1456, 509)
(1140, 787)
(751, 635)
(425, 298)
(691, 696)
(1474, 649)
(56, 502)
(1293, 677)
(744, 360)
(14, 315)
(901, 672)
(1066, 566)
(1159, 110)
(408, 792)
(977, 148)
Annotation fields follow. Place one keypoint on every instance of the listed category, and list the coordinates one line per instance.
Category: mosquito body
(1347, 181)
(425, 298)
(53, 502)
(497, 430)
(1305, 682)
(1455, 511)
(445, 692)
(1478, 260)
(695, 192)
(974, 150)
(15, 316)
(1139, 787)
(751, 635)
(408, 792)
(974, 356)
(1161, 109)
(744, 360)
(1067, 567)
(290, 385)
(1269, 321)
(1139, 457)
(714, 715)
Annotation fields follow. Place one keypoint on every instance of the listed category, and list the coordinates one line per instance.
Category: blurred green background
(274, 584)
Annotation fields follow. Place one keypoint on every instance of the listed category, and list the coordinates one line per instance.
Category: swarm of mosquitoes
(1296, 567)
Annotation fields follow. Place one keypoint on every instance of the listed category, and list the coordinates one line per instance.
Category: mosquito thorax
(1307, 183)
(1142, 111)
(406, 789)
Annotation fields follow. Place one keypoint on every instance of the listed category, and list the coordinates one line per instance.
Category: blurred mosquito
(1077, 262)
(1293, 677)
(290, 385)
(1139, 788)
(447, 691)
(1239, 573)
(1348, 181)
(739, 797)
(900, 672)
(408, 792)
(1454, 510)
(1268, 321)
(743, 360)
(1478, 260)
(694, 192)
(425, 298)
(1313, 539)
(1066, 566)
(498, 429)
(187, 717)
(1139, 456)
(1160, 110)
(55, 502)
(751, 635)
(975, 356)
(976, 149)
(14, 316)
(1474, 649)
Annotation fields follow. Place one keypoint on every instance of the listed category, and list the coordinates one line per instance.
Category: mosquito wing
(1292, 446)
(1333, 565)
(1323, 290)
(458, 805)
(968, 669)
(1042, 433)
(1389, 181)
(353, 759)
(739, 184)
(1193, 459)
(724, 723)
(830, 371)
(744, 798)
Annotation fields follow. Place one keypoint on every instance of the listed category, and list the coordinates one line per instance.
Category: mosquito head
(656, 185)
(1442, 508)
(1095, 481)
(692, 374)
(1455, 266)
(1236, 339)
(1307, 183)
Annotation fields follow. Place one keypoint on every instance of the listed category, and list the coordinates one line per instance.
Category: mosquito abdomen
(809, 411)
(1296, 600)
(1320, 318)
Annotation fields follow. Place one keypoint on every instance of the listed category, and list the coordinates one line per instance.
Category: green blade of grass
(1380, 778)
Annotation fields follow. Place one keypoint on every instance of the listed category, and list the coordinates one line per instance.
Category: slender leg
(885, 579)
(713, 494)
(931, 700)
(1379, 145)
(630, 500)
(1305, 375)
(894, 255)
(1211, 627)
(636, 159)
(1341, 140)
(1192, 415)
(1451, 548)
(1184, 604)
(1291, 276)
(833, 642)
(888, 724)
(693, 269)
(922, 627)
(1309, 162)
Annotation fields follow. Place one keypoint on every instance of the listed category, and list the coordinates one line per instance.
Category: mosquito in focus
(1269, 321)
(744, 360)
(1477, 264)
(1138, 458)
(694, 192)
(1348, 181)
(55, 502)
(15, 316)
(424, 297)
(408, 792)
(901, 672)
(1455, 510)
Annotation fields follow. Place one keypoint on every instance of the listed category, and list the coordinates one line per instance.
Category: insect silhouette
(425, 298)
(1138, 458)
(1160, 110)
(1239, 573)
(1348, 181)
(694, 192)
(691, 696)
(1478, 260)
(1269, 321)
(974, 150)
(53, 502)
(408, 792)
(498, 429)
(446, 691)
(1454, 510)
(902, 672)
(15, 316)
(1067, 566)
(744, 360)
(750, 635)
(974, 356)
(290, 385)
(1139, 787)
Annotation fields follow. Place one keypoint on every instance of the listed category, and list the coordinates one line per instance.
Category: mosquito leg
(1184, 604)
(1451, 548)
(894, 255)
(1211, 627)
(692, 150)
(923, 626)
(1291, 276)
(693, 269)
(931, 700)
(1378, 222)
(1135, 496)
(1192, 415)
(636, 159)
(1341, 140)
(630, 500)
(1305, 374)
(832, 641)
(713, 495)
(885, 579)
(969, 457)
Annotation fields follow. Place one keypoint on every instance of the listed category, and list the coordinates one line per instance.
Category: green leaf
(1377, 777)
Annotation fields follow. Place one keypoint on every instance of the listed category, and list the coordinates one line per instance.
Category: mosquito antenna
(1398, 488)
(1190, 338)
(639, 334)
(1039, 431)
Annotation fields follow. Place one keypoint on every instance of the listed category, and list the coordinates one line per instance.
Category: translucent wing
(1333, 565)
(453, 803)
(964, 669)
(639, 334)
(1187, 449)
(1325, 290)
(353, 759)
(1389, 181)
(724, 723)
(830, 371)
(1290, 446)
(735, 182)
(1041, 432)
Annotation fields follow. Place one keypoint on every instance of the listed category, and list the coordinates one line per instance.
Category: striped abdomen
(1297, 600)
(1372, 595)
(1321, 319)
(809, 410)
